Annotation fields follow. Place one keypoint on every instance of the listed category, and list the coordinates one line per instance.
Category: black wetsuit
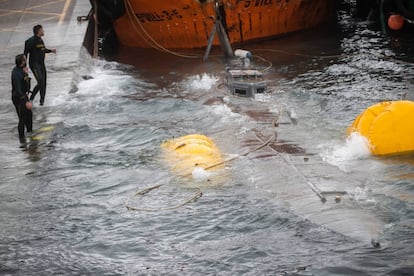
(20, 87)
(37, 50)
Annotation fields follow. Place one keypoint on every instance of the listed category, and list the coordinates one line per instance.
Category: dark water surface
(62, 199)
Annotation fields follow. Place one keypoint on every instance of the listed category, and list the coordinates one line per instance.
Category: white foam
(200, 175)
(359, 194)
(263, 97)
(104, 83)
(226, 114)
(356, 147)
(104, 79)
(202, 82)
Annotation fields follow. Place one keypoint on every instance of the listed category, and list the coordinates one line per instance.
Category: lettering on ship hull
(165, 15)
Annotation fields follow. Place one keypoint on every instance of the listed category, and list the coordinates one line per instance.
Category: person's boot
(23, 142)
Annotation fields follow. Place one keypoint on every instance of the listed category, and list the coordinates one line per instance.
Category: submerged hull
(189, 23)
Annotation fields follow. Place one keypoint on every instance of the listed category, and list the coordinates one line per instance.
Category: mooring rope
(312, 186)
(197, 195)
(154, 44)
(299, 54)
(264, 60)
(265, 143)
(344, 55)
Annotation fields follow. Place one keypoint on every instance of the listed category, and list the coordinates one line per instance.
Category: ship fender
(387, 126)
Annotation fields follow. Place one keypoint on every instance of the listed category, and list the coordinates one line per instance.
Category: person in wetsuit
(20, 87)
(35, 48)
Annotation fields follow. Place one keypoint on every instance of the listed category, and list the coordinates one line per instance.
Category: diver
(20, 88)
(35, 47)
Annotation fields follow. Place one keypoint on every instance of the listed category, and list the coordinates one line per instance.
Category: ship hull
(176, 24)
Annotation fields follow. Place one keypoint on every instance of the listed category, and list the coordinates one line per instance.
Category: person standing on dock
(20, 88)
(35, 47)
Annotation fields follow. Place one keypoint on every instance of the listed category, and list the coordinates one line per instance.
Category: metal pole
(95, 40)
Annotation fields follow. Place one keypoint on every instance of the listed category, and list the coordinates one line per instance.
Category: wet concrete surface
(62, 32)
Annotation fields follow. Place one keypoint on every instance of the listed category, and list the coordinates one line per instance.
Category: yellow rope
(154, 43)
(129, 12)
(197, 195)
(265, 60)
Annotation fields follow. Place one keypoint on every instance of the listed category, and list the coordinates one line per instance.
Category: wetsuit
(37, 50)
(20, 87)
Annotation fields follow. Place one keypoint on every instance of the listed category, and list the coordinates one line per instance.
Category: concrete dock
(63, 32)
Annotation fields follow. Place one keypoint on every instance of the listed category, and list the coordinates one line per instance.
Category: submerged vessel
(181, 24)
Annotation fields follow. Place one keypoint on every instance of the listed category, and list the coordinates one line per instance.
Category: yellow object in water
(186, 153)
(46, 129)
(40, 133)
(388, 126)
(37, 137)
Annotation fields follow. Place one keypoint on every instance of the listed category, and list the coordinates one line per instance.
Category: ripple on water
(67, 215)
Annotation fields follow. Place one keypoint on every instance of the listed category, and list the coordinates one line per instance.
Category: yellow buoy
(40, 133)
(37, 137)
(186, 153)
(46, 129)
(388, 126)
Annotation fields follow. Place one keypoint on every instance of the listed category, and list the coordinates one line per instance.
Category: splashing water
(226, 114)
(360, 194)
(202, 82)
(356, 147)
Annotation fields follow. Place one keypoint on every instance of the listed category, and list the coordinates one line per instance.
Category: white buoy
(243, 54)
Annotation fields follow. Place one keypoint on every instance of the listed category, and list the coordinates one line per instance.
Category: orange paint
(395, 22)
(177, 24)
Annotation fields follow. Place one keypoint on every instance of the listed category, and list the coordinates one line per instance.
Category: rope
(327, 56)
(244, 154)
(265, 60)
(197, 195)
(299, 54)
(312, 186)
(130, 15)
(154, 44)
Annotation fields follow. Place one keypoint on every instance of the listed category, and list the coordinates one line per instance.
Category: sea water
(63, 201)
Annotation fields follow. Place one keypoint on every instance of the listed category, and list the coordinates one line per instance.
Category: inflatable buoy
(186, 153)
(37, 134)
(395, 22)
(388, 126)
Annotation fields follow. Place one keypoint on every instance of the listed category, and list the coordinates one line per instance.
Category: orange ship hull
(178, 24)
